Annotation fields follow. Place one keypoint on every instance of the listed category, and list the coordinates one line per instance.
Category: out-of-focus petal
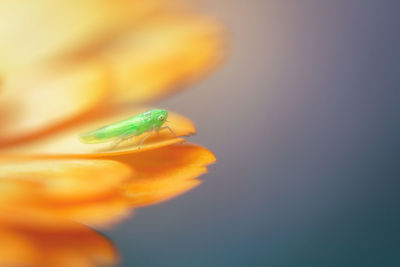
(164, 54)
(69, 244)
(36, 31)
(41, 103)
(165, 173)
(66, 144)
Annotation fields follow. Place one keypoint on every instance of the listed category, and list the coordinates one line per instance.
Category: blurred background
(304, 121)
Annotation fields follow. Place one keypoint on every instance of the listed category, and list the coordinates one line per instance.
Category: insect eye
(161, 117)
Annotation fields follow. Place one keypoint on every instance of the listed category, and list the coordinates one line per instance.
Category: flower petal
(66, 144)
(164, 54)
(165, 173)
(160, 174)
(68, 245)
(41, 104)
(36, 26)
(87, 190)
(96, 191)
(44, 182)
(103, 212)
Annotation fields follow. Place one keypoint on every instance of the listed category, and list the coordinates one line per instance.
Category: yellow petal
(38, 105)
(33, 32)
(69, 245)
(164, 54)
(65, 143)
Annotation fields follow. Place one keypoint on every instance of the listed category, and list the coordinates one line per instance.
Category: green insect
(150, 121)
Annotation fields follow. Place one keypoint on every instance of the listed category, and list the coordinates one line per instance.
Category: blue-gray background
(304, 121)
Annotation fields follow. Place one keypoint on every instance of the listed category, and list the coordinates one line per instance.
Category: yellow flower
(70, 66)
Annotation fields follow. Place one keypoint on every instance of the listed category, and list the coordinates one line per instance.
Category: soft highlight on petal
(36, 26)
(41, 103)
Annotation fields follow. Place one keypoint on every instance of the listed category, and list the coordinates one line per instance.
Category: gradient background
(304, 121)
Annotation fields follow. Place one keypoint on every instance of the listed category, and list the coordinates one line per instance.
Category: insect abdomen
(108, 133)
(90, 138)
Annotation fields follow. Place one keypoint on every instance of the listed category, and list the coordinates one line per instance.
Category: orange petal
(42, 182)
(160, 174)
(160, 187)
(165, 173)
(104, 212)
(99, 212)
(66, 144)
(164, 54)
(69, 245)
(38, 105)
(85, 190)
(96, 191)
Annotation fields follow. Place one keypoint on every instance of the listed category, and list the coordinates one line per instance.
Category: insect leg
(166, 127)
(117, 142)
(121, 138)
(144, 138)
